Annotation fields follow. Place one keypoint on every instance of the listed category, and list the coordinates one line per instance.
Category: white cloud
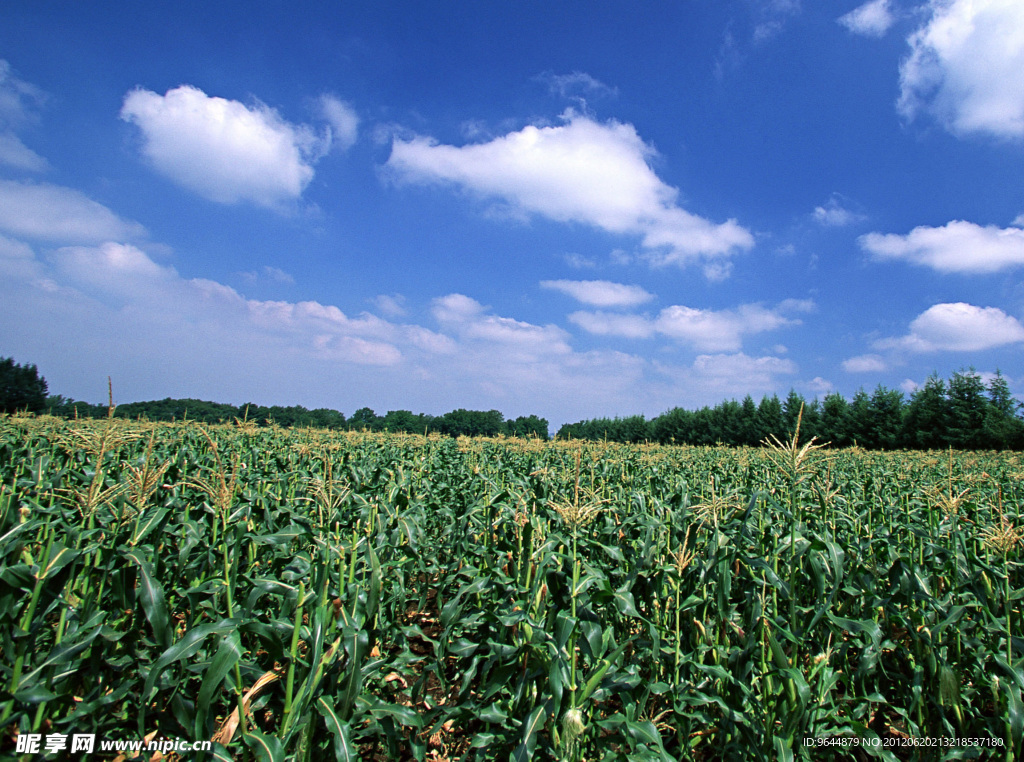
(154, 303)
(224, 150)
(600, 293)
(965, 67)
(614, 324)
(40, 211)
(18, 101)
(909, 386)
(16, 154)
(865, 364)
(705, 330)
(580, 262)
(390, 305)
(735, 373)
(773, 17)
(17, 261)
(276, 274)
(581, 171)
(518, 341)
(724, 330)
(343, 120)
(873, 19)
(576, 85)
(112, 266)
(957, 327)
(86, 313)
(11, 249)
(957, 247)
(835, 214)
(820, 385)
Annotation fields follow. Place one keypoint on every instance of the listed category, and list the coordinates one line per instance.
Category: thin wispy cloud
(836, 213)
(600, 293)
(342, 118)
(704, 330)
(19, 105)
(577, 85)
(45, 212)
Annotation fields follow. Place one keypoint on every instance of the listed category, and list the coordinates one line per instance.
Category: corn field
(302, 595)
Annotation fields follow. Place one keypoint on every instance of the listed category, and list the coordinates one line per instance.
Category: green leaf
(188, 645)
(783, 753)
(644, 732)
(344, 750)
(228, 654)
(154, 604)
(524, 752)
(266, 748)
(403, 714)
(154, 517)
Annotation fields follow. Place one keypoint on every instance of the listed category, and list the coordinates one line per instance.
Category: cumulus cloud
(957, 247)
(705, 330)
(18, 103)
(40, 211)
(86, 312)
(957, 327)
(600, 293)
(873, 19)
(820, 385)
(965, 66)
(226, 151)
(157, 301)
(865, 364)
(580, 171)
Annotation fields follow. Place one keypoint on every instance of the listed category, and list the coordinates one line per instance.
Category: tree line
(963, 413)
(455, 423)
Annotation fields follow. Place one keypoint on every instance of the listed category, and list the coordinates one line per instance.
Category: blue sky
(568, 209)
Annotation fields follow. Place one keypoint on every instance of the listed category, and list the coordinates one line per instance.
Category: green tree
(967, 408)
(1003, 428)
(886, 418)
(364, 418)
(770, 418)
(926, 420)
(858, 420)
(21, 387)
(834, 423)
(528, 426)
(472, 423)
(748, 422)
(791, 411)
(674, 426)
